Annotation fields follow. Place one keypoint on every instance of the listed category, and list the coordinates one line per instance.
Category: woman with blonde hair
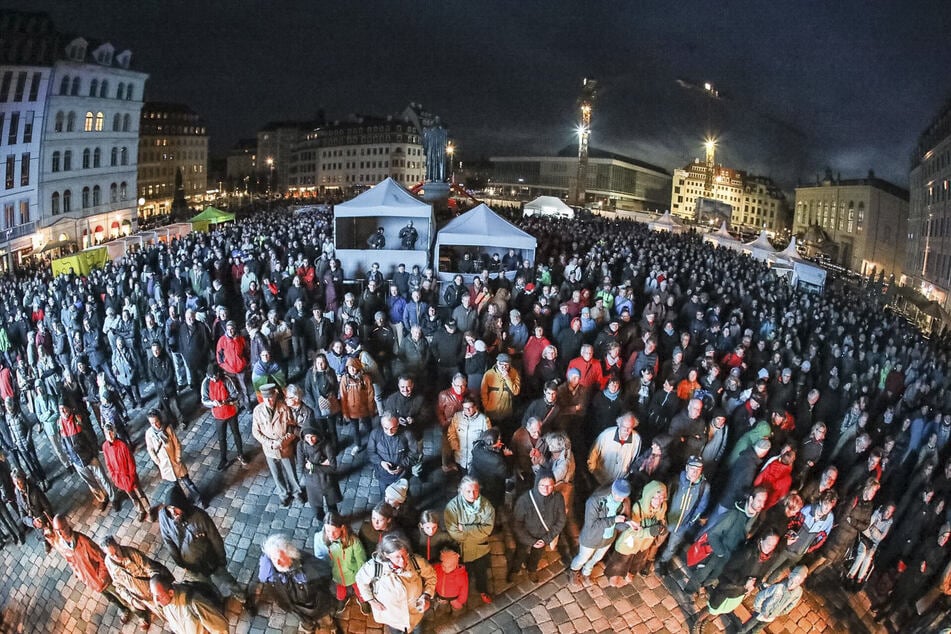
(635, 548)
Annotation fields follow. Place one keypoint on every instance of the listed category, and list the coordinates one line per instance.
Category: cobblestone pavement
(39, 593)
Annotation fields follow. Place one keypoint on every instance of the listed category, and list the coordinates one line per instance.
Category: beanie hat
(621, 488)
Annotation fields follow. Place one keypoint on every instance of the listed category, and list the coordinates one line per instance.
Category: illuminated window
(87, 126)
(100, 118)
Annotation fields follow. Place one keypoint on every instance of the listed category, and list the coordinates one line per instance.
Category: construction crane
(589, 92)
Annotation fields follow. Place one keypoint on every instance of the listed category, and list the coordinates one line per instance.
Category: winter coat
(86, 559)
(194, 541)
(775, 601)
(125, 366)
(345, 561)
(399, 450)
(131, 576)
(499, 392)
(491, 468)
(232, 354)
(357, 396)
(399, 591)
(610, 458)
(686, 502)
(470, 525)
(320, 479)
(301, 590)
(79, 441)
(120, 464)
(600, 511)
(166, 452)
(322, 392)
(545, 523)
(463, 432)
(274, 430)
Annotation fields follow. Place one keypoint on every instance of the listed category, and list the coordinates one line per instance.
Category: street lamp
(450, 152)
(270, 179)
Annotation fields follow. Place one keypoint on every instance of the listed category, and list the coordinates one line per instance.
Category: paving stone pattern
(39, 593)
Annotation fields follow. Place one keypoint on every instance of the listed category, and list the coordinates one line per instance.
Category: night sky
(847, 84)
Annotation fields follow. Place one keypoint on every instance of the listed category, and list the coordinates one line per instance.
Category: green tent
(209, 217)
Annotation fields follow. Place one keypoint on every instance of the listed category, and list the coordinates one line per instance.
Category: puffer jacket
(397, 590)
(232, 354)
(356, 394)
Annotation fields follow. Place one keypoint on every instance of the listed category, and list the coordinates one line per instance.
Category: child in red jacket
(452, 580)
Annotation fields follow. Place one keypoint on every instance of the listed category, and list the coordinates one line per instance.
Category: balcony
(18, 231)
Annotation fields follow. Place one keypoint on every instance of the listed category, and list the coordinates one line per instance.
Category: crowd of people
(629, 400)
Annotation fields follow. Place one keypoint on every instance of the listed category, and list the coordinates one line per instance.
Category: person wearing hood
(317, 462)
(724, 538)
(636, 546)
(266, 371)
(194, 543)
(539, 517)
(357, 401)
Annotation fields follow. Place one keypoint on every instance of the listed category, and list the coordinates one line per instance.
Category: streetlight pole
(450, 152)
(270, 179)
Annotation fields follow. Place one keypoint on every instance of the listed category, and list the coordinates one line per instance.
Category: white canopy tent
(548, 206)
(482, 233)
(804, 273)
(722, 238)
(760, 248)
(390, 206)
(666, 223)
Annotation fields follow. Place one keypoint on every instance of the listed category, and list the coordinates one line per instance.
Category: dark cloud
(805, 84)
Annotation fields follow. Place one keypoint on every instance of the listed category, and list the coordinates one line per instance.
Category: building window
(67, 160)
(58, 122)
(21, 86)
(24, 211)
(100, 118)
(126, 122)
(87, 126)
(128, 92)
(120, 90)
(113, 193)
(54, 203)
(71, 121)
(116, 122)
(54, 164)
(124, 156)
(11, 167)
(74, 90)
(24, 169)
(35, 86)
(123, 191)
(97, 158)
(94, 88)
(85, 197)
(96, 196)
(14, 128)
(5, 85)
(104, 89)
(8, 216)
(28, 127)
(64, 86)
(114, 159)
(86, 155)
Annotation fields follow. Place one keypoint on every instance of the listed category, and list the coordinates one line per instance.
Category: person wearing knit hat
(317, 466)
(194, 543)
(539, 517)
(396, 493)
(605, 512)
(501, 384)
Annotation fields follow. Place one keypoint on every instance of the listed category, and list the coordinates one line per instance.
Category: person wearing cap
(120, 464)
(606, 511)
(539, 517)
(273, 426)
(220, 394)
(194, 543)
(501, 384)
(317, 463)
(165, 450)
(688, 497)
(232, 354)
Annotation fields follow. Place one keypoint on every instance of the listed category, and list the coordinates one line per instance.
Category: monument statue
(435, 138)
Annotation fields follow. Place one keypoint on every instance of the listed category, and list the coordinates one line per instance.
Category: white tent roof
(549, 205)
(385, 198)
(722, 232)
(761, 243)
(482, 226)
(668, 220)
(790, 251)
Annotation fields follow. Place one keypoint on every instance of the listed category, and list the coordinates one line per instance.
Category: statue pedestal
(436, 193)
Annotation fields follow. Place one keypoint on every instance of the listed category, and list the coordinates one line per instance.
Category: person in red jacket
(589, 367)
(452, 581)
(121, 467)
(776, 475)
(233, 355)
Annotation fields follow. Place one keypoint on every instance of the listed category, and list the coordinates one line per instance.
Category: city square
(623, 323)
